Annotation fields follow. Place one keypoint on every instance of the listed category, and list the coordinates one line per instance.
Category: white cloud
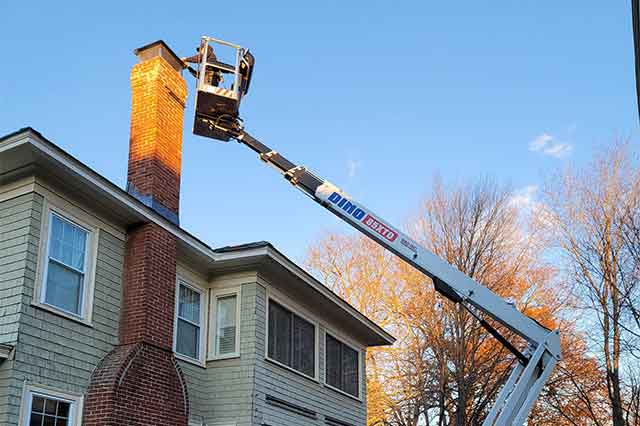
(352, 167)
(558, 150)
(549, 145)
(525, 197)
(540, 142)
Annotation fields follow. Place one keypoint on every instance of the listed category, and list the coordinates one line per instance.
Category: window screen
(292, 339)
(342, 369)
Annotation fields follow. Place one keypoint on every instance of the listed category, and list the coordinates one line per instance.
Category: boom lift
(217, 117)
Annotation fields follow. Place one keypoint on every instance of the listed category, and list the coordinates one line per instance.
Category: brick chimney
(139, 382)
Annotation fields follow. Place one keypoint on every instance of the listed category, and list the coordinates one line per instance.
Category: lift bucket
(221, 86)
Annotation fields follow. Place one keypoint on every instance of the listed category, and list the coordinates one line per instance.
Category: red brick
(139, 382)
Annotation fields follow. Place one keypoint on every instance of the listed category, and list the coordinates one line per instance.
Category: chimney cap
(159, 48)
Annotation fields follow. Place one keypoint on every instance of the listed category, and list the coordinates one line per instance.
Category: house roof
(26, 151)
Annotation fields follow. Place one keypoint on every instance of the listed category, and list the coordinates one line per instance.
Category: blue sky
(378, 97)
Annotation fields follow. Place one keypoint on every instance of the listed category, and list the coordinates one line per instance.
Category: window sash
(194, 353)
(51, 258)
(41, 406)
(342, 369)
(49, 286)
(85, 233)
(290, 337)
(231, 328)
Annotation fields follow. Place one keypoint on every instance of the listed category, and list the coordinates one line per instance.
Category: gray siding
(61, 353)
(272, 379)
(221, 394)
(18, 245)
(52, 350)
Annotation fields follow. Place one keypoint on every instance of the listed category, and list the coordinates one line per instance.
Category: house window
(45, 408)
(65, 277)
(225, 320)
(292, 340)
(189, 310)
(342, 367)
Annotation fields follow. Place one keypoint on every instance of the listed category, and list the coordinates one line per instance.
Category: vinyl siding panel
(51, 350)
(279, 382)
(19, 234)
(221, 394)
(55, 351)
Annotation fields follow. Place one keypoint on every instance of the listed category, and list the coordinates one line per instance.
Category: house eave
(27, 150)
(371, 334)
(5, 351)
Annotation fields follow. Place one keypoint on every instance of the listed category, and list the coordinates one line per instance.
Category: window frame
(216, 294)
(300, 313)
(203, 306)
(91, 253)
(358, 350)
(75, 403)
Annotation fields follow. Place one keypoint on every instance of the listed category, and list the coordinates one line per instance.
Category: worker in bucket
(212, 76)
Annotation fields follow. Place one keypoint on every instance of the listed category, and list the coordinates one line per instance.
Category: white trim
(360, 365)
(75, 401)
(91, 253)
(30, 137)
(106, 186)
(5, 351)
(299, 312)
(213, 321)
(202, 343)
(66, 202)
(17, 188)
(311, 282)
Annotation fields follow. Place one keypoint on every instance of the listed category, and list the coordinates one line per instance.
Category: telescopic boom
(535, 364)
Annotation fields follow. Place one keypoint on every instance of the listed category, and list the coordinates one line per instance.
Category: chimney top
(159, 48)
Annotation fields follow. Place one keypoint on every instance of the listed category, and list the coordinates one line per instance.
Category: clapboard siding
(274, 380)
(54, 351)
(221, 394)
(19, 234)
(51, 350)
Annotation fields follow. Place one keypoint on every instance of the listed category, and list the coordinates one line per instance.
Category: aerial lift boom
(534, 365)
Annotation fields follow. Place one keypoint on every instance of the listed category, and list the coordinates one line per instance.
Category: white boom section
(534, 366)
(519, 394)
(468, 289)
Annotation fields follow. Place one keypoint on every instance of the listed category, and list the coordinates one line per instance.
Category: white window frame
(299, 312)
(213, 321)
(90, 259)
(75, 401)
(358, 350)
(202, 343)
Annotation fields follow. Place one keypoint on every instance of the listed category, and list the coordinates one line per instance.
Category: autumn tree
(445, 369)
(593, 212)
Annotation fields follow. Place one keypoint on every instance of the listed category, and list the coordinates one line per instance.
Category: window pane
(334, 362)
(68, 243)
(279, 333)
(188, 339)
(36, 420)
(63, 409)
(51, 406)
(189, 304)
(349, 370)
(304, 342)
(37, 406)
(64, 288)
(226, 325)
(49, 412)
